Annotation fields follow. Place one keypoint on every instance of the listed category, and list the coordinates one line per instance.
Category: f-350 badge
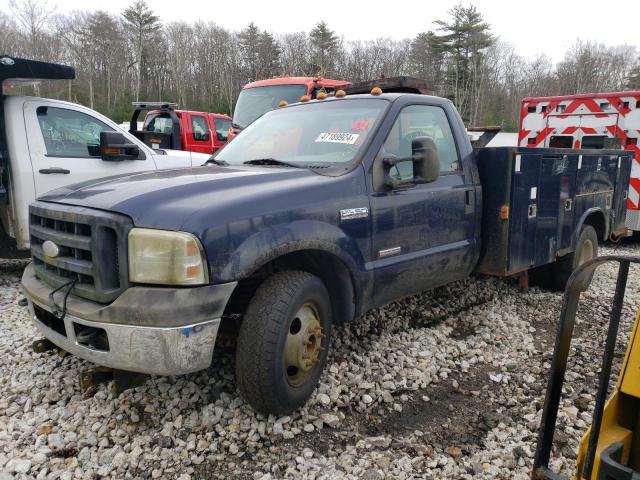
(353, 213)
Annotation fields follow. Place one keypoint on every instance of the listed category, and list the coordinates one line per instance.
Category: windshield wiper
(215, 161)
(270, 161)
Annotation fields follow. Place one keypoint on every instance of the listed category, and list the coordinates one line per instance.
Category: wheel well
(328, 267)
(596, 220)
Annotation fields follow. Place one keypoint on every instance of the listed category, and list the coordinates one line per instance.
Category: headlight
(166, 258)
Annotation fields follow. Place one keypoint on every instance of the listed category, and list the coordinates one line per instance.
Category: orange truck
(257, 98)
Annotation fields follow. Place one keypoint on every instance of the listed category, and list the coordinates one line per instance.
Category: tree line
(203, 66)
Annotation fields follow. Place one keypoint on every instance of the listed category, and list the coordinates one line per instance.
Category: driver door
(64, 145)
(423, 234)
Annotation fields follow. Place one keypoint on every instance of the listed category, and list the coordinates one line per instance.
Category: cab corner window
(200, 128)
(222, 128)
(421, 121)
(69, 133)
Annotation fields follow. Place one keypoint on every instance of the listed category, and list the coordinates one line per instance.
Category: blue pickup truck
(316, 213)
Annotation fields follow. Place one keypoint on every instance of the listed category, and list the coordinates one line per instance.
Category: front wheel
(283, 342)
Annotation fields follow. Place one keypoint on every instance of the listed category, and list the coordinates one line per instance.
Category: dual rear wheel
(556, 275)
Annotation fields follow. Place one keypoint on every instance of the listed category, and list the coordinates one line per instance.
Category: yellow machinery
(610, 449)
(618, 451)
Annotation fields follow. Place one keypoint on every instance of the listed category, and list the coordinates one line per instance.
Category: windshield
(255, 102)
(313, 134)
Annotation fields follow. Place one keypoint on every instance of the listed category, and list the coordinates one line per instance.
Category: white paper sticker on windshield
(338, 137)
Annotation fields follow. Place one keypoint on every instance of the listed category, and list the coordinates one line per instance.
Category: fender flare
(581, 222)
(271, 243)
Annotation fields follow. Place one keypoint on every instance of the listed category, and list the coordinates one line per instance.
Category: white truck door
(64, 145)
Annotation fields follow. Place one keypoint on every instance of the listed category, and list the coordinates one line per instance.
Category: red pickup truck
(166, 127)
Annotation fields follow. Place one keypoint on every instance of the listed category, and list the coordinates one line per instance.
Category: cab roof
(322, 82)
(392, 96)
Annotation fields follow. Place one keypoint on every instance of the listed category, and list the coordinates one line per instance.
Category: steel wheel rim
(303, 345)
(586, 253)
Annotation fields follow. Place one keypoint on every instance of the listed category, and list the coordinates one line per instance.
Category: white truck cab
(47, 144)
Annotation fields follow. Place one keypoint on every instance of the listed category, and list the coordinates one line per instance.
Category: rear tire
(586, 249)
(283, 342)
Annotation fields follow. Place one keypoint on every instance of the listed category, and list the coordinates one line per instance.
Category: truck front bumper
(143, 332)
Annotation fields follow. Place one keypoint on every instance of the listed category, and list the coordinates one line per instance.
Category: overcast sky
(534, 27)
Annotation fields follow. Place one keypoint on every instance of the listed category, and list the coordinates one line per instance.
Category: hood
(168, 198)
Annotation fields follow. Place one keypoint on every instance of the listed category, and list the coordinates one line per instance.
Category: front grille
(92, 249)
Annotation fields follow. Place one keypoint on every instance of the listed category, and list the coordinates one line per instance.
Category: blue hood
(171, 199)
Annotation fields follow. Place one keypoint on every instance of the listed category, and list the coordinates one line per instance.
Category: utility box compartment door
(555, 206)
(524, 214)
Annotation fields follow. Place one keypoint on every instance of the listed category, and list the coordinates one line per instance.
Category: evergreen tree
(465, 38)
(324, 44)
(426, 58)
(143, 25)
(260, 53)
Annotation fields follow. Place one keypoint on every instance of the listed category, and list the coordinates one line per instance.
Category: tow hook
(122, 380)
(43, 345)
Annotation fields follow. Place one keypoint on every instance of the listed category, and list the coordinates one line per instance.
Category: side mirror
(426, 164)
(115, 147)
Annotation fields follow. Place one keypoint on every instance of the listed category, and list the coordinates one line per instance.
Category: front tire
(283, 342)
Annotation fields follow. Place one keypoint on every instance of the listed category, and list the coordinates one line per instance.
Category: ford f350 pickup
(318, 212)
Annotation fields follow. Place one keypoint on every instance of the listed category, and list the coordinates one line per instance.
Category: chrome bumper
(153, 350)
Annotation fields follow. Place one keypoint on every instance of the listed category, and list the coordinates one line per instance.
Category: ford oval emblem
(50, 249)
(8, 61)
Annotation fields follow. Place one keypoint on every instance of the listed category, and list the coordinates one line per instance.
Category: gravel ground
(448, 384)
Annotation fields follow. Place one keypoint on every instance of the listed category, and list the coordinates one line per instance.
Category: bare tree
(34, 18)
(204, 66)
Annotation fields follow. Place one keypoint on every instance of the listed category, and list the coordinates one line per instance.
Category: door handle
(48, 171)
(469, 196)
